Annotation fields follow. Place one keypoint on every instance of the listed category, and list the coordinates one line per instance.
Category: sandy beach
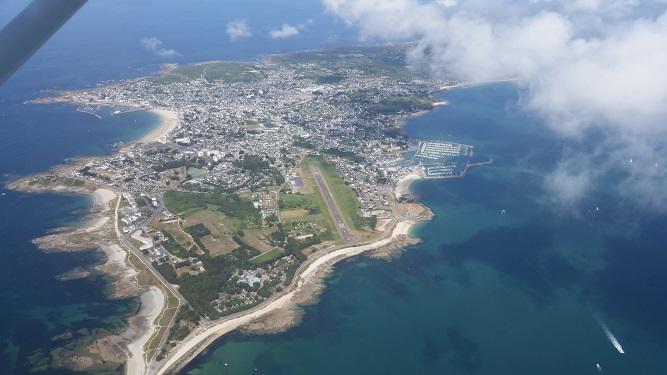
(204, 336)
(102, 197)
(97, 224)
(168, 122)
(152, 303)
(403, 185)
(101, 200)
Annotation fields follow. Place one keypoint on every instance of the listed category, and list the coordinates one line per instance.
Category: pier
(463, 173)
(89, 112)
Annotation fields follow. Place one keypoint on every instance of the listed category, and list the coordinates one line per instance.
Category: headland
(260, 177)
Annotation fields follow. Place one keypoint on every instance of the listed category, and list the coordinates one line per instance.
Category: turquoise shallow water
(484, 293)
(36, 307)
(102, 42)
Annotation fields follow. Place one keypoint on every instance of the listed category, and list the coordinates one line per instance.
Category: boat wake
(610, 335)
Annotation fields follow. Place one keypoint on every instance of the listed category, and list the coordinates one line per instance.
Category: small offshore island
(261, 176)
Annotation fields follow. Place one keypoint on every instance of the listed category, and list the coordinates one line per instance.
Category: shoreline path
(202, 337)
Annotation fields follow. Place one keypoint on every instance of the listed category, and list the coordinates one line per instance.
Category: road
(139, 255)
(125, 243)
(331, 203)
(203, 336)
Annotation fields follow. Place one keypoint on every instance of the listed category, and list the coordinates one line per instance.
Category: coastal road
(202, 337)
(139, 255)
(331, 203)
(139, 366)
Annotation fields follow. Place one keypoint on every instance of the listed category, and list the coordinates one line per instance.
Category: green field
(312, 209)
(185, 203)
(300, 201)
(392, 103)
(331, 64)
(397, 103)
(345, 197)
(219, 223)
(227, 71)
(268, 256)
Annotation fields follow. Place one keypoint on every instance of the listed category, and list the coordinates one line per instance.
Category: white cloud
(582, 65)
(447, 3)
(286, 31)
(151, 43)
(571, 180)
(154, 45)
(238, 29)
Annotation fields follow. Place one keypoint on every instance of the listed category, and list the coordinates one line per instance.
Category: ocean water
(37, 307)
(485, 293)
(103, 40)
(101, 43)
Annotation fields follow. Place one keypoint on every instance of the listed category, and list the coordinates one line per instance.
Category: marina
(443, 150)
(444, 159)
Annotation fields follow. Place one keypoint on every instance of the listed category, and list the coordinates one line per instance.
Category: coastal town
(258, 175)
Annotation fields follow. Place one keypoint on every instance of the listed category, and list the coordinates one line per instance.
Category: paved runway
(331, 203)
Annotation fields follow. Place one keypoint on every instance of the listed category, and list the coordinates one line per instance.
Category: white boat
(597, 366)
(610, 336)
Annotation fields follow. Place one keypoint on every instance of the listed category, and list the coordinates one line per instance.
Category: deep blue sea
(485, 293)
(101, 43)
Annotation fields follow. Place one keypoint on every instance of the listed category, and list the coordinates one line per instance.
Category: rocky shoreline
(284, 311)
(99, 350)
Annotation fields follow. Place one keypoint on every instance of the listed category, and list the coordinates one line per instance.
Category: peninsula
(261, 176)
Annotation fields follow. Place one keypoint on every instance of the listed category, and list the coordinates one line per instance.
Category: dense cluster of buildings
(248, 135)
(246, 131)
